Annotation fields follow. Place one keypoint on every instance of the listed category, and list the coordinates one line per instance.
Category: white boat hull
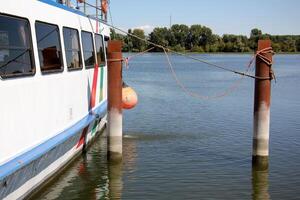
(46, 119)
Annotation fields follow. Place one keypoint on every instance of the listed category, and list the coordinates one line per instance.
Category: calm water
(178, 147)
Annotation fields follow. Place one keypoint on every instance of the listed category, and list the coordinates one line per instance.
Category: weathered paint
(115, 185)
(261, 122)
(114, 115)
(114, 126)
(261, 131)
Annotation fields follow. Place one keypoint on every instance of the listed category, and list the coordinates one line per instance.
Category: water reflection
(115, 180)
(130, 153)
(84, 179)
(180, 148)
(260, 184)
(93, 176)
(115, 169)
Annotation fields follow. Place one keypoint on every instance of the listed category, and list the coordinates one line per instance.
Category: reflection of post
(262, 109)
(114, 116)
(115, 180)
(260, 185)
(130, 154)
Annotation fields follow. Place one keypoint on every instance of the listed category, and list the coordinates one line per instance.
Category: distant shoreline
(200, 39)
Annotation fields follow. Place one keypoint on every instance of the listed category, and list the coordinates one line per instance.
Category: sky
(278, 17)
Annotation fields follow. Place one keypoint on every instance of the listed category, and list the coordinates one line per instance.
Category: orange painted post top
(115, 75)
(114, 46)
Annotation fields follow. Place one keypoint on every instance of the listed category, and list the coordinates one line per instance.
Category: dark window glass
(48, 43)
(106, 39)
(100, 49)
(16, 56)
(72, 48)
(88, 49)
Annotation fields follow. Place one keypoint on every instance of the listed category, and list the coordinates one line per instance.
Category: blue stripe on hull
(16, 172)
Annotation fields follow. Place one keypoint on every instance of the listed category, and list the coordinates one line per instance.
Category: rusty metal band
(115, 60)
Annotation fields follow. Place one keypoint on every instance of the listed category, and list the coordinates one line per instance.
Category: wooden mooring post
(114, 115)
(261, 123)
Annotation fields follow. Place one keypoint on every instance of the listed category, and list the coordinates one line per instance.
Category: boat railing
(92, 8)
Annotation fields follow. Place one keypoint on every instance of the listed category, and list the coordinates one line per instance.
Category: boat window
(72, 48)
(48, 42)
(106, 39)
(16, 54)
(88, 49)
(100, 49)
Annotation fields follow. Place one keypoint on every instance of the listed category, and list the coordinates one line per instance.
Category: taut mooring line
(260, 53)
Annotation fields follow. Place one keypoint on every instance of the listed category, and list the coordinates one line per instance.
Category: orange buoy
(129, 97)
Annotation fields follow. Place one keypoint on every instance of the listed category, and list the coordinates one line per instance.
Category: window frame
(80, 49)
(94, 50)
(106, 39)
(61, 54)
(103, 63)
(31, 47)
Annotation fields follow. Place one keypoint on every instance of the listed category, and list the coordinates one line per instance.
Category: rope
(127, 59)
(110, 15)
(259, 53)
(196, 95)
(262, 55)
(115, 60)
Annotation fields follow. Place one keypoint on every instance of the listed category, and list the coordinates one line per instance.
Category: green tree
(195, 35)
(276, 47)
(201, 36)
(214, 44)
(123, 38)
(298, 44)
(255, 35)
(289, 45)
(180, 33)
(197, 49)
(116, 36)
(160, 36)
(235, 43)
(137, 44)
(206, 37)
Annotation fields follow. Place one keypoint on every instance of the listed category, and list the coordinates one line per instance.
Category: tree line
(198, 38)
